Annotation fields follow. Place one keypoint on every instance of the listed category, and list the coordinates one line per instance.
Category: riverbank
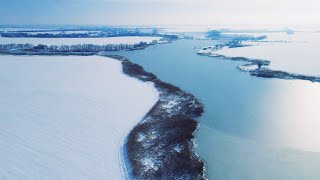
(161, 145)
(258, 68)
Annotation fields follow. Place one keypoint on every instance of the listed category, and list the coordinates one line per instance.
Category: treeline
(83, 35)
(215, 34)
(77, 48)
(16, 46)
(70, 35)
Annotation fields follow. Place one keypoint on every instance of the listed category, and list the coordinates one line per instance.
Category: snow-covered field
(298, 54)
(74, 41)
(67, 117)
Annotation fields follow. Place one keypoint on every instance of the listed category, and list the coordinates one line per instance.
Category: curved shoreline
(161, 145)
(87, 124)
(261, 69)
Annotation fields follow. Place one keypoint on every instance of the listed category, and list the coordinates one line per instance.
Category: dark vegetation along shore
(268, 73)
(161, 145)
(255, 67)
(41, 48)
(261, 69)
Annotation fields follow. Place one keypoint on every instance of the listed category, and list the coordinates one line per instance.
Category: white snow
(67, 117)
(74, 41)
(298, 54)
(154, 134)
(168, 106)
(141, 137)
(178, 148)
(249, 67)
(149, 164)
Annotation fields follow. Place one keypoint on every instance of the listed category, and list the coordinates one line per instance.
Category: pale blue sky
(149, 12)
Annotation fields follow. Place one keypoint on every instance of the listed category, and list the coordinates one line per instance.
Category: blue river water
(253, 128)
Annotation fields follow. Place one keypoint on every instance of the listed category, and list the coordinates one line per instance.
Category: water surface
(253, 128)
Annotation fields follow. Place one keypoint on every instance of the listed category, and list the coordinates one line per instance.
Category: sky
(159, 12)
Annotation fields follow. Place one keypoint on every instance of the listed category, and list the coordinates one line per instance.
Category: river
(253, 128)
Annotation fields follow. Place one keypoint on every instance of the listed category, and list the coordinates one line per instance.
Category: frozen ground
(67, 117)
(298, 53)
(74, 41)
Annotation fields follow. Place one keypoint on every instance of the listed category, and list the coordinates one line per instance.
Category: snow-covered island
(161, 146)
(280, 49)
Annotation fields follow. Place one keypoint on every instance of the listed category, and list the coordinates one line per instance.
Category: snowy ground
(66, 117)
(73, 41)
(297, 54)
